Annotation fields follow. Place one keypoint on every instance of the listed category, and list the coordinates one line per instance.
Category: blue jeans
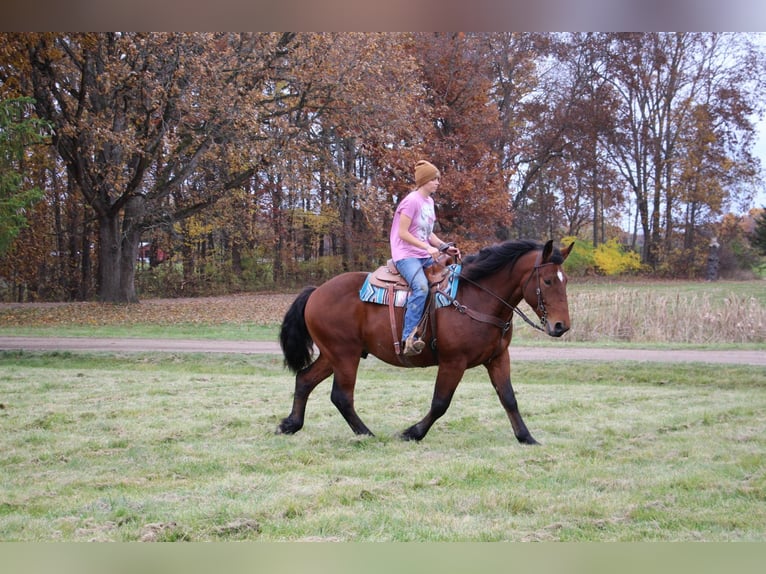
(412, 270)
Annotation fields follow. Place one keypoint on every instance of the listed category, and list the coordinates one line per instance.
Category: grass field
(182, 448)
(165, 447)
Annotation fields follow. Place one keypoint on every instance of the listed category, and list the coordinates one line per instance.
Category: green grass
(182, 447)
(222, 332)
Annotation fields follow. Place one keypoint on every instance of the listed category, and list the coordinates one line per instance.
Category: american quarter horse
(474, 330)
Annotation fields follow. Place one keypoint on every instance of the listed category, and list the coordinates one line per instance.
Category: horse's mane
(490, 260)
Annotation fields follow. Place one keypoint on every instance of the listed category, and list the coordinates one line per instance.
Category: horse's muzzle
(557, 329)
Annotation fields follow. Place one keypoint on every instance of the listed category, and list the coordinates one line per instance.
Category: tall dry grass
(642, 315)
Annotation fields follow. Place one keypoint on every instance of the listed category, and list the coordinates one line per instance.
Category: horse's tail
(297, 345)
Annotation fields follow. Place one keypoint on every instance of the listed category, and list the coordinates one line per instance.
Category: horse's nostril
(559, 329)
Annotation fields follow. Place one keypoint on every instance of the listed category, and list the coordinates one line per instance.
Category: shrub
(611, 259)
(166, 280)
(581, 261)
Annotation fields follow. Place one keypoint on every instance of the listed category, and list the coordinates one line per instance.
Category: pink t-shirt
(421, 210)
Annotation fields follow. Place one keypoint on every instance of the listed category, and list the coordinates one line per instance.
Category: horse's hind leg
(342, 395)
(500, 374)
(305, 382)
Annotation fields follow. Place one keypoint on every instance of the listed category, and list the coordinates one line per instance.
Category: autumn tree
(590, 189)
(137, 116)
(716, 165)
(472, 201)
(548, 108)
(324, 197)
(361, 142)
(322, 201)
(304, 142)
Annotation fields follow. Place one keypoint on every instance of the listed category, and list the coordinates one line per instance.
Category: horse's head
(545, 289)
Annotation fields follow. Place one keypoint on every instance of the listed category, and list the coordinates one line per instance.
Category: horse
(475, 329)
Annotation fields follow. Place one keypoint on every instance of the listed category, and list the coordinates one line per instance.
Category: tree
(715, 167)
(591, 192)
(359, 151)
(155, 127)
(472, 201)
(554, 107)
(666, 85)
(18, 131)
(304, 142)
(526, 141)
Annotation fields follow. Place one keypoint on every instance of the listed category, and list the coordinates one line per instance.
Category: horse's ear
(565, 252)
(547, 250)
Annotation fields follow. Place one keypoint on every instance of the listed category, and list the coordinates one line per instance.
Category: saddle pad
(370, 293)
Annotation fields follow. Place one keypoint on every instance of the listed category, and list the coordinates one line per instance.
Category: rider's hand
(455, 252)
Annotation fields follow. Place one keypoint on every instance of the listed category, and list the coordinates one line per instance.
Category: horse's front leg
(499, 370)
(447, 380)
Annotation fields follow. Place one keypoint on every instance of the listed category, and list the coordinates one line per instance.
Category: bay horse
(474, 330)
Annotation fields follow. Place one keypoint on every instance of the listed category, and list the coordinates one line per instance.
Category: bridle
(538, 290)
(506, 325)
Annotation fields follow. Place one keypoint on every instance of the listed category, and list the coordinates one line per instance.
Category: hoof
(528, 439)
(411, 434)
(288, 427)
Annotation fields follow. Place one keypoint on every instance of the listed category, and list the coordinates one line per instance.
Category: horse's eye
(547, 282)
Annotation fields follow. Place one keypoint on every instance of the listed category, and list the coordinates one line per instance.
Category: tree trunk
(135, 210)
(278, 227)
(347, 203)
(74, 233)
(109, 258)
(128, 256)
(86, 262)
(118, 251)
(642, 216)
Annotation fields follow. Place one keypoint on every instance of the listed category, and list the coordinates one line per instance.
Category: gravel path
(254, 347)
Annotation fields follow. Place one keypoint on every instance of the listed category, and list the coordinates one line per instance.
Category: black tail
(297, 345)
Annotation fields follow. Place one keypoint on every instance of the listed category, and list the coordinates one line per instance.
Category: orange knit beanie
(425, 172)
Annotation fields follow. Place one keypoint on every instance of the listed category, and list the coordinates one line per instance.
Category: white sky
(760, 146)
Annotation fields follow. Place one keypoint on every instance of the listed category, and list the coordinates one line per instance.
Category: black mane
(489, 260)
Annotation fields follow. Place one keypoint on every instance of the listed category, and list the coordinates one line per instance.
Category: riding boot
(413, 346)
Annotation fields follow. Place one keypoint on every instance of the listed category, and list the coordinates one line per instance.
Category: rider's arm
(405, 235)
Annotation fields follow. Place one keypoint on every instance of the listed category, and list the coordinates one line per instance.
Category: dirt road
(253, 347)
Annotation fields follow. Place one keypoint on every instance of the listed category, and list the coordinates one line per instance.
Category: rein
(506, 325)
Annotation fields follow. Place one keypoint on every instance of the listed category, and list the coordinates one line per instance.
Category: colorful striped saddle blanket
(374, 292)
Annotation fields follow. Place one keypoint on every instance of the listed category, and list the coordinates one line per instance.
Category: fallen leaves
(259, 309)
